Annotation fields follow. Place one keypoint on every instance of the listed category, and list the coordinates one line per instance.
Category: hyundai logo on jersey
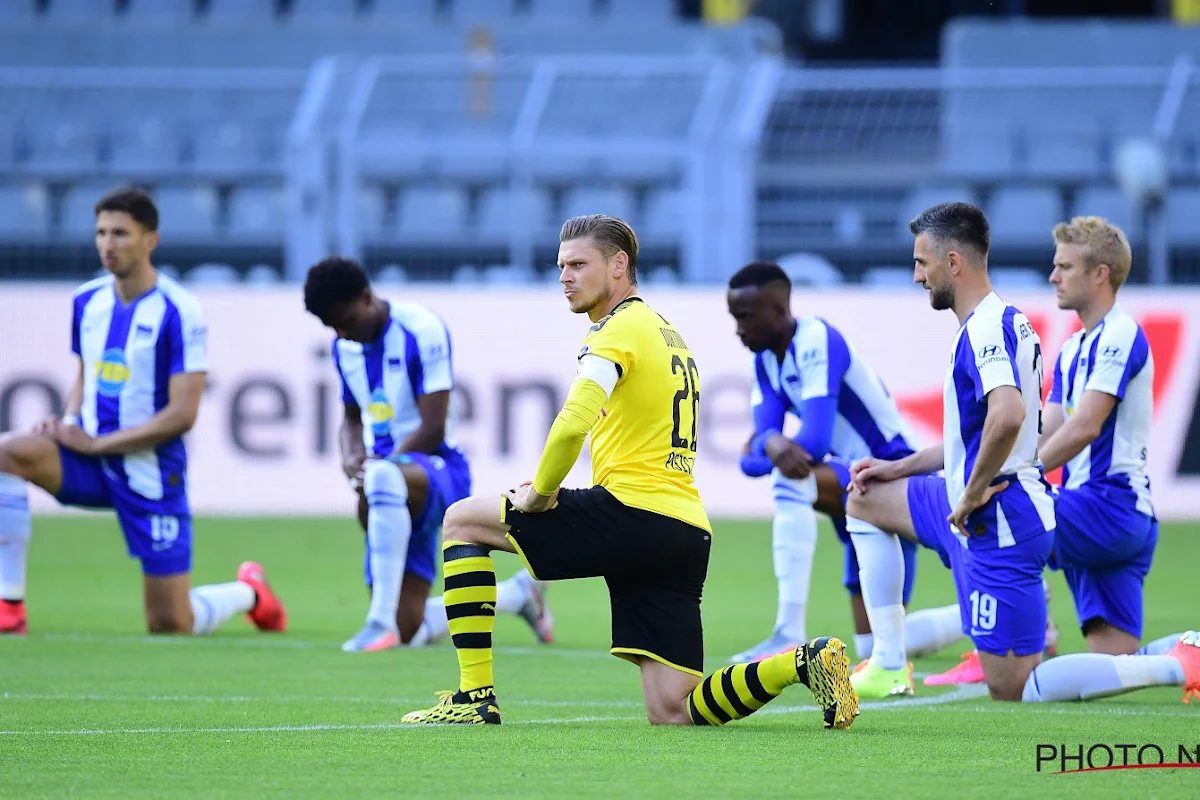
(112, 371)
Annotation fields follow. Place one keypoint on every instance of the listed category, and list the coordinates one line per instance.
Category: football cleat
(877, 683)
(824, 668)
(13, 621)
(969, 671)
(1187, 652)
(373, 637)
(268, 613)
(474, 707)
(775, 644)
(535, 611)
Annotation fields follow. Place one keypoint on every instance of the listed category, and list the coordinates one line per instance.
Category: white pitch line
(959, 694)
(185, 698)
(298, 644)
(925, 703)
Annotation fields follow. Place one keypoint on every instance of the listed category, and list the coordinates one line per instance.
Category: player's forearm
(74, 403)
(922, 462)
(170, 423)
(1067, 442)
(425, 439)
(1000, 432)
(567, 434)
(350, 439)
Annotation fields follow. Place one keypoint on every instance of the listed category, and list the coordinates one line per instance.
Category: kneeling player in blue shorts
(805, 367)
(992, 515)
(398, 450)
(140, 339)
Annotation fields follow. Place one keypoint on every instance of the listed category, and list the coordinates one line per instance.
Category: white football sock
(793, 545)
(389, 527)
(930, 629)
(1160, 647)
(1088, 676)
(435, 626)
(15, 531)
(864, 643)
(212, 605)
(881, 576)
(512, 594)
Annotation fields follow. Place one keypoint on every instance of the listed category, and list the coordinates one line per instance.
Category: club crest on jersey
(380, 412)
(112, 371)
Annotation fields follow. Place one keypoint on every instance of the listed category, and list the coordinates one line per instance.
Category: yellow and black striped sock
(470, 597)
(738, 691)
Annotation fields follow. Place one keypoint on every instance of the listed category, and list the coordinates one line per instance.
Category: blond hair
(609, 234)
(1102, 242)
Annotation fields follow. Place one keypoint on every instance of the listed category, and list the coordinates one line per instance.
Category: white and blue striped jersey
(1113, 358)
(819, 362)
(129, 353)
(384, 378)
(997, 347)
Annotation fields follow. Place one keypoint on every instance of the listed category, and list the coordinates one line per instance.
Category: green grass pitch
(90, 706)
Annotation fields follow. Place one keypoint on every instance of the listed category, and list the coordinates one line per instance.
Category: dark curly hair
(332, 282)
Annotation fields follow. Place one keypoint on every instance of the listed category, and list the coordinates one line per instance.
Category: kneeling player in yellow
(641, 527)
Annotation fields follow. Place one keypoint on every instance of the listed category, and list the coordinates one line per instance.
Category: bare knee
(859, 506)
(1006, 692)
(167, 624)
(18, 454)
(667, 713)
(457, 524)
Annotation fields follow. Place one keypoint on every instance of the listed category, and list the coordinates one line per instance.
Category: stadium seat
(889, 278)
(78, 217)
(1020, 278)
(810, 269)
(300, 9)
(241, 10)
(664, 213)
(18, 10)
(507, 275)
(262, 275)
(426, 210)
(1024, 215)
(497, 206)
(81, 10)
(150, 146)
(1059, 153)
(186, 213)
(257, 213)
(641, 9)
(24, 212)
(160, 10)
(1110, 203)
(372, 209)
(661, 276)
(391, 275)
(1183, 216)
(211, 275)
(229, 148)
(613, 201)
(923, 197)
(561, 9)
(424, 9)
(974, 154)
(65, 146)
(471, 10)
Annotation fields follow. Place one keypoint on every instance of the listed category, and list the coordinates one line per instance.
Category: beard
(585, 305)
(941, 297)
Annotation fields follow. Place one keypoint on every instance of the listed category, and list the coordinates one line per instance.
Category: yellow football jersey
(644, 444)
